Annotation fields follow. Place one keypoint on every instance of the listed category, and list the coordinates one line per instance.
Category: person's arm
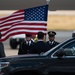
(20, 49)
(2, 52)
(32, 49)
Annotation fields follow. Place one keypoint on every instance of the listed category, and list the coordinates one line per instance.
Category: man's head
(33, 36)
(51, 35)
(28, 37)
(40, 35)
(73, 34)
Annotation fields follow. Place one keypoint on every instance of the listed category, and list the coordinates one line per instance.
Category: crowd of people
(37, 45)
(34, 44)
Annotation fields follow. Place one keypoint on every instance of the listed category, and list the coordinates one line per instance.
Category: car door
(66, 63)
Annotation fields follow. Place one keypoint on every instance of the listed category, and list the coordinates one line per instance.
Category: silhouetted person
(2, 52)
(52, 41)
(40, 46)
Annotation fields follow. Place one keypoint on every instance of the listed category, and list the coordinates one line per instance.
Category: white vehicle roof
(18, 36)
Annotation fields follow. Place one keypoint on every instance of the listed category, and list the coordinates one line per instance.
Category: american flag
(29, 20)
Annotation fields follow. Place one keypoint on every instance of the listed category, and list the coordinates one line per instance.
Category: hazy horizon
(22, 4)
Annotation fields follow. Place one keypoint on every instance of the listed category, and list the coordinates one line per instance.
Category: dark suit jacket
(2, 52)
(52, 45)
(39, 47)
(24, 48)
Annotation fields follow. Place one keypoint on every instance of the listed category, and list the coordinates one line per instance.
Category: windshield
(56, 47)
(46, 53)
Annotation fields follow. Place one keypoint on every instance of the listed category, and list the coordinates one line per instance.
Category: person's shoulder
(32, 42)
(1, 43)
(23, 42)
(56, 42)
(47, 41)
(36, 43)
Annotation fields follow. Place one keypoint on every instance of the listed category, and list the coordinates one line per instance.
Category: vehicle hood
(16, 57)
(26, 61)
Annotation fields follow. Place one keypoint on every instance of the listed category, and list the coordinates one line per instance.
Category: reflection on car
(58, 60)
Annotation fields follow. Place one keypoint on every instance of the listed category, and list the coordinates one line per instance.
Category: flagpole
(48, 1)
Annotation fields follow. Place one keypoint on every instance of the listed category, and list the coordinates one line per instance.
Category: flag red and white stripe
(15, 24)
(6, 23)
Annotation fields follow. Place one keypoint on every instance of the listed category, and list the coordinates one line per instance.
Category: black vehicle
(58, 60)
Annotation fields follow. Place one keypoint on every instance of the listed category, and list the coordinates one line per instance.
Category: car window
(68, 49)
(70, 45)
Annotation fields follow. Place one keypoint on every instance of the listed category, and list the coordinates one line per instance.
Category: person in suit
(52, 41)
(2, 52)
(26, 45)
(40, 46)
